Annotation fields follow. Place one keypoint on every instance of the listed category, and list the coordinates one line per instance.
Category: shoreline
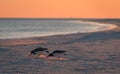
(98, 27)
(108, 28)
(33, 40)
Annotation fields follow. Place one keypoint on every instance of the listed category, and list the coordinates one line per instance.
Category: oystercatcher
(39, 51)
(57, 52)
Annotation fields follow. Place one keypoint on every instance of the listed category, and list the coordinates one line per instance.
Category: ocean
(20, 28)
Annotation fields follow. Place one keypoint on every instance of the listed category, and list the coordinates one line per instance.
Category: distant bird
(57, 52)
(39, 51)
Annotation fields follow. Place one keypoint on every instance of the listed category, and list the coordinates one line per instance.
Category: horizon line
(52, 18)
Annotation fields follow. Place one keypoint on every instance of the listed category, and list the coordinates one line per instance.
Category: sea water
(20, 28)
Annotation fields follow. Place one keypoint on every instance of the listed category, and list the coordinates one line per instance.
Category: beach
(87, 53)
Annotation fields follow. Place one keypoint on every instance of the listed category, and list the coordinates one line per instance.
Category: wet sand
(87, 53)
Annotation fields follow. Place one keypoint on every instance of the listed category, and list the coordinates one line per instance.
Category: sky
(59, 8)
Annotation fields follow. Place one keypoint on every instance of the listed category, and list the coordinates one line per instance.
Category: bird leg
(30, 54)
(59, 56)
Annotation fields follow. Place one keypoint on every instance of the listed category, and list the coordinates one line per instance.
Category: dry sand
(89, 53)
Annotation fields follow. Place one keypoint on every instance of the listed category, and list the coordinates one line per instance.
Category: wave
(30, 28)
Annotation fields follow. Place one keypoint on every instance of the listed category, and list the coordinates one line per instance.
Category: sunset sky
(59, 8)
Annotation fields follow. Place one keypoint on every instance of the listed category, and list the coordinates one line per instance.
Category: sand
(89, 53)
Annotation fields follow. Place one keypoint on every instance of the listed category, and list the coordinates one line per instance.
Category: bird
(58, 52)
(39, 51)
